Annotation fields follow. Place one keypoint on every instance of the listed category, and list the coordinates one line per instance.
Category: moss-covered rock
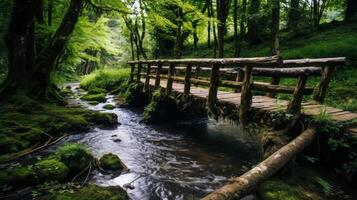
(75, 156)
(89, 192)
(109, 106)
(134, 96)
(66, 92)
(105, 119)
(17, 176)
(51, 169)
(93, 103)
(278, 190)
(95, 97)
(95, 90)
(111, 162)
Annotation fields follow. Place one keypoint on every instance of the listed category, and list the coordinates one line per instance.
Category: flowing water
(184, 160)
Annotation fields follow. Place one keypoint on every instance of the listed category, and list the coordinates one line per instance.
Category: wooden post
(274, 81)
(214, 81)
(170, 75)
(239, 78)
(294, 106)
(158, 74)
(187, 80)
(147, 78)
(198, 70)
(246, 95)
(320, 92)
(132, 68)
(138, 75)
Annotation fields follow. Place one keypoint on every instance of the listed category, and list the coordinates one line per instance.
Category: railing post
(239, 78)
(198, 70)
(158, 74)
(214, 83)
(326, 75)
(187, 80)
(274, 81)
(170, 80)
(294, 106)
(138, 75)
(147, 78)
(132, 68)
(246, 95)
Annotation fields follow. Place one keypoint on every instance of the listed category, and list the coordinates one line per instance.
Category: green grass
(336, 40)
(108, 79)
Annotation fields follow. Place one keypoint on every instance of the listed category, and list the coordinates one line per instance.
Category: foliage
(111, 162)
(75, 156)
(108, 79)
(51, 169)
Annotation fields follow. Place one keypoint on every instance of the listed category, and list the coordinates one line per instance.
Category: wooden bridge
(204, 77)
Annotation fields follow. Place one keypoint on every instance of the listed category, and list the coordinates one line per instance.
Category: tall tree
(235, 26)
(253, 37)
(294, 14)
(275, 5)
(222, 14)
(242, 26)
(351, 10)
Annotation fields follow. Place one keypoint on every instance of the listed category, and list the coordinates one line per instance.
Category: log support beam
(294, 106)
(321, 90)
(246, 95)
(188, 74)
(170, 80)
(132, 68)
(138, 75)
(214, 83)
(147, 78)
(158, 73)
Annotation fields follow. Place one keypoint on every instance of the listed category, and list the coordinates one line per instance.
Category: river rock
(111, 162)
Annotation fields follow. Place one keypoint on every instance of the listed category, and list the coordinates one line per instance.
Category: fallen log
(240, 186)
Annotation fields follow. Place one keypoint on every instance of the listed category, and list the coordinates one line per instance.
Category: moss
(109, 106)
(93, 103)
(95, 97)
(66, 92)
(162, 108)
(111, 162)
(134, 95)
(278, 190)
(96, 90)
(106, 119)
(75, 156)
(89, 192)
(17, 176)
(51, 169)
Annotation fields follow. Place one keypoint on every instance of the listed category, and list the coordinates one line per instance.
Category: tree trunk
(235, 26)
(222, 13)
(178, 42)
(243, 185)
(253, 37)
(351, 10)
(34, 77)
(315, 13)
(195, 36)
(294, 15)
(275, 27)
(242, 26)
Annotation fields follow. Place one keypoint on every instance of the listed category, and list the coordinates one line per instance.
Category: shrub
(108, 79)
(51, 169)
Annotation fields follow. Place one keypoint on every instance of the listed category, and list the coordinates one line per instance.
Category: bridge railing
(241, 70)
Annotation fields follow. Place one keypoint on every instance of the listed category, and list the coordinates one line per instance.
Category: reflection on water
(174, 161)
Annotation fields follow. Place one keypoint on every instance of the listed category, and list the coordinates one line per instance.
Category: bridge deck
(265, 103)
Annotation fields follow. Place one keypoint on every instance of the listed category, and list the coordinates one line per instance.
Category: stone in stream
(111, 162)
(117, 140)
(109, 106)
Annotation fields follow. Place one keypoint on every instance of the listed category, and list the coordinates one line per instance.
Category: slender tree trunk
(242, 26)
(132, 46)
(294, 15)
(275, 49)
(222, 13)
(235, 26)
(209, 34)
(351, 10)
(195, 36)
(253, 37)
(315, 13)
(178, 42)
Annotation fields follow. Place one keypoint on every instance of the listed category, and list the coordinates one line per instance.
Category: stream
(184, 160)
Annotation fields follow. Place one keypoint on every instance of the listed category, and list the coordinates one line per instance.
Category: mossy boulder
(51, 169)
(111, 162)
(95, 97)
(96, 90)
(89, 192)
(134, 96)
(75, 156)
(17, 176)
(279, 190)
(105, 119)
(109, 106)
(66, 92)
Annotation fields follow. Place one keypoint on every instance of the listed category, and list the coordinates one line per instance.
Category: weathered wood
(138, 75)
(294, 106)
(132, 68)
(157, 78)
(170, 76)
(214, 83)
(274, 81)
(198, 71)
(237, 187)
(187, 80)
(316, 62)
(239, 78)
(147, 77)
(258, 61)
(321, 90)
(282, 72)
(246, 95)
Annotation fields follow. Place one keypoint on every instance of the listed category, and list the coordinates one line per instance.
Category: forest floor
(332, 40)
